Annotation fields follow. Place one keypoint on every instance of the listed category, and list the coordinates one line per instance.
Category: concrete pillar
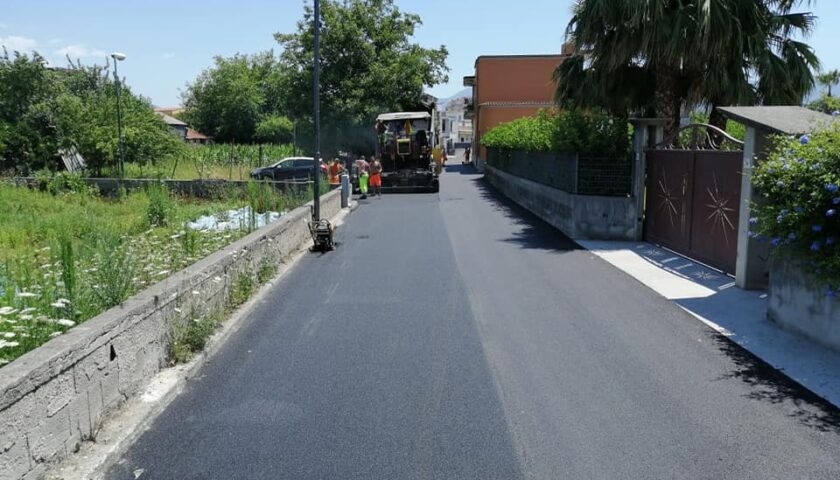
(646, 134)
(751, 265)
(346, 190)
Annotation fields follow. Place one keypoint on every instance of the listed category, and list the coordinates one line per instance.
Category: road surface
(455, 336)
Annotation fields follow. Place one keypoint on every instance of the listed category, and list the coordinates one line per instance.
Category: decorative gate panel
(666, 209)
(693, 198)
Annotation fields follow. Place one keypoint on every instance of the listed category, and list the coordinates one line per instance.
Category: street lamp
(316, 187)
(119, 57)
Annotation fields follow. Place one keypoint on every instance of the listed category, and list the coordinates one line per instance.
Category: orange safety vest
(334, 171)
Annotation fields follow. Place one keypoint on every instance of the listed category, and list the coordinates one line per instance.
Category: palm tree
(829, 78)
(688, 53)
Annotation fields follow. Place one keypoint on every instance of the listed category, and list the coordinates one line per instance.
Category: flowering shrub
(799, 211)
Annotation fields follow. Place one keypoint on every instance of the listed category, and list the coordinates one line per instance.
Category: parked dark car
(294, 168)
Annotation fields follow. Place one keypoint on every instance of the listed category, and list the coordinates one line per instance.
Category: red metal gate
(692, 203)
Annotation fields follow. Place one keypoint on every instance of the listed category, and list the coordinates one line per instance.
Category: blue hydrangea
(831, 187)
(804, 139)
(816, 228)
(830, 241)
(830, 293)
(800, 160)
(780, 184)
(798, 209)
(775, 241)
(753, 220)
(815, 246)
(830, 213)
(791, 236)
(835, 200)
(780, 218)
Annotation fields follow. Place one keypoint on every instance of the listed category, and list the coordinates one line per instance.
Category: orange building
(507, 87)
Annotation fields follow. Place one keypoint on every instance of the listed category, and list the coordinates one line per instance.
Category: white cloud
(80, 51)
(20, 44)
(168, 55)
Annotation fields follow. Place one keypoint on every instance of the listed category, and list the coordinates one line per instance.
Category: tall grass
(69, 255)
(227, 162)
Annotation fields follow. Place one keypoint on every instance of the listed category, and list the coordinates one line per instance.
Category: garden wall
(580, 217)
(57, 395)
(797, 304)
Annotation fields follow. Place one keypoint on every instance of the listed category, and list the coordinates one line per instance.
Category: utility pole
(118, 57)
(316, 211)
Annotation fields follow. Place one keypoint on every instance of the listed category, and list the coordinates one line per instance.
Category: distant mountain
(442, 102)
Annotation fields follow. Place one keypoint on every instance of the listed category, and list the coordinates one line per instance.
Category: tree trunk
(716, 119)
(667, 99)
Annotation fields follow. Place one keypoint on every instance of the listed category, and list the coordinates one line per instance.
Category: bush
(590, 133)
(826, 104)
(160, 205)
(532, 134)
(800, 201)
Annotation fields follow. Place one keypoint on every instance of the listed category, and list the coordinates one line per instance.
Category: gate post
(646, 133)
(751, 262)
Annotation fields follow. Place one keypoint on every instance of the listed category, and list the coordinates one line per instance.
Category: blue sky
(169, 43)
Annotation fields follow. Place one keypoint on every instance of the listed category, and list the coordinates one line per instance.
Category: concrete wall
(583, 217)
(57, 395)
(796, 303)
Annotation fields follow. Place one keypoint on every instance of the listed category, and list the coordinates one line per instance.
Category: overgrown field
(227, 162)
(67, 254)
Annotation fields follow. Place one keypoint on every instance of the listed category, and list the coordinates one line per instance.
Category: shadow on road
(535, 233)
(770, 385)
(462, 169)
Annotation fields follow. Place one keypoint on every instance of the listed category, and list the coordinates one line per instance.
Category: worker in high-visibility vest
(437, 156)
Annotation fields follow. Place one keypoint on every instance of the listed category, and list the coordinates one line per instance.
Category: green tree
(657, 57)
(274, 129)
(369, 65)
(44, 109)
(829, 79)
(229, 100)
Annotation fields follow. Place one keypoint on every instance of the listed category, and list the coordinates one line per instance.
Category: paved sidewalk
(741, 315)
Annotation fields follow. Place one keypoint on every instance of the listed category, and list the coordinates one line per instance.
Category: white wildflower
(9, 335)
(26, 317)
(26, 295)
(4, 344)
(7, 310)
(64, 322)
(163, 272)
(55, 334)
(3, 361)
(27, 310)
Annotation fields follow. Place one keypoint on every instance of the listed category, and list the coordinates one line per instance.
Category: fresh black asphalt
(455, 336)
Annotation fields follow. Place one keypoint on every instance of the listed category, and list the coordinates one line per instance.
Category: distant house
(196, 137)
(507, 87)
(179, 128)
(455, 126)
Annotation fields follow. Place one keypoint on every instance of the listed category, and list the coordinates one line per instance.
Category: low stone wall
(797, 304)
(583, 217)
(57, 395)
